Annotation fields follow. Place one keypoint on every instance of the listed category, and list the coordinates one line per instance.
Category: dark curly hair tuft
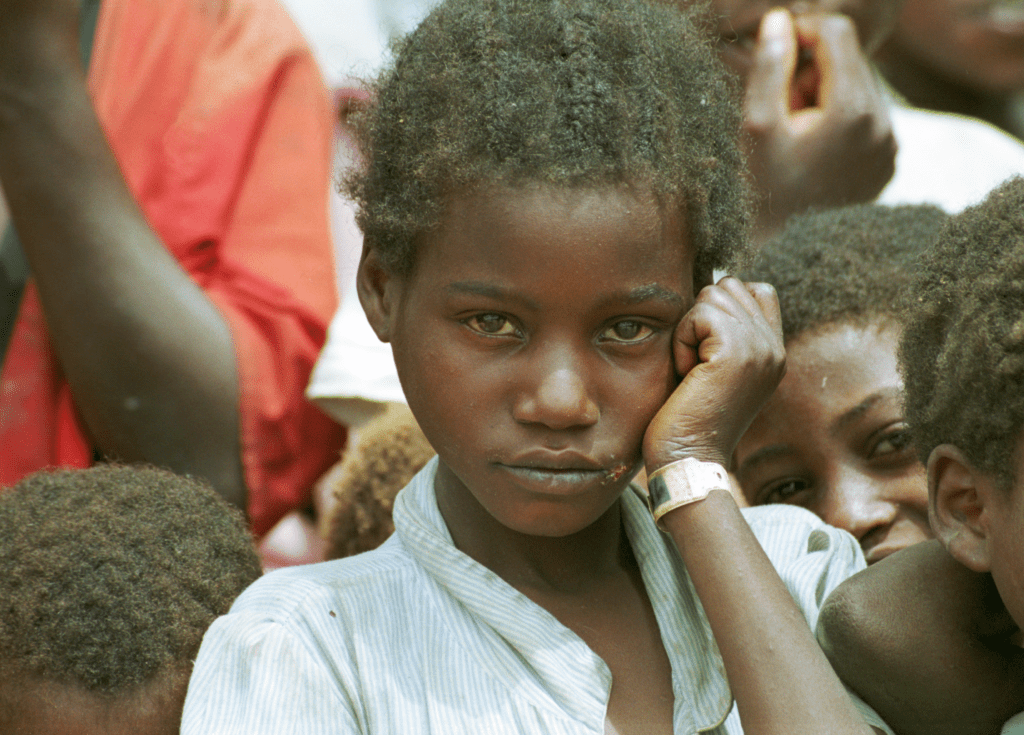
(962, 352)
(846, 265)
(110, 576)
(568, 92)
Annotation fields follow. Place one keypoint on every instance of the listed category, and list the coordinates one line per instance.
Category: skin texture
(926, 642)
(816, 123)
(963, 56)
(538, 341)
(152, 384)
(832, 439)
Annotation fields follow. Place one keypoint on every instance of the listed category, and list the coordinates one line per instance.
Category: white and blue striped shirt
(416, 637)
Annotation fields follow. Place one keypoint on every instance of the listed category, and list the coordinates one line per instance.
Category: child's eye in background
(628, 330)
(494, 325)
(893, 441)
(791, 491)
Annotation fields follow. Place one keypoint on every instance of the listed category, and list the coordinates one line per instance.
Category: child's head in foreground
(833, 437)
(962, 357)
(109, 577)
(548, 185)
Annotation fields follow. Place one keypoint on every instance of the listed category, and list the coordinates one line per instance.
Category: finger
(684, 351)
(768, 303)
(761, 307)
(846, 75)
(738, 292)
(767, 94)
(693, 333)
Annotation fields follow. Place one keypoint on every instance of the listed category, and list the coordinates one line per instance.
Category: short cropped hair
(962, 352)
(845, 265)
(110, 576)
(573, 93)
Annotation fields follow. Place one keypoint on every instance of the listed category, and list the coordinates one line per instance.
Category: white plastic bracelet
(684, 482)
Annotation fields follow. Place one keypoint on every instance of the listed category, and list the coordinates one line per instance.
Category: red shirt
(217, 115)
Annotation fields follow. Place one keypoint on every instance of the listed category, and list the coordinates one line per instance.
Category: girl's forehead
(537, 213)
(603, 235)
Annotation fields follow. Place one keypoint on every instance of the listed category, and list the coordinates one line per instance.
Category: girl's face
(533, 342)
(832, 439)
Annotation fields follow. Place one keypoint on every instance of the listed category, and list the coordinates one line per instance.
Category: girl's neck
(534, 564)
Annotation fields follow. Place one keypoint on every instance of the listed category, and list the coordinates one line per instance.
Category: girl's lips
(555, 480)
(545, 459)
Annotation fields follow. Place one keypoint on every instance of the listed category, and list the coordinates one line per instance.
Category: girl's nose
(558, 397)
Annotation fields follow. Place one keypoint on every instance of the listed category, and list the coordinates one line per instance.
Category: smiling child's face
(833, 440)
(533, 341)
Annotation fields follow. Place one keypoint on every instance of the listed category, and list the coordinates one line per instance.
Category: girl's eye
(627, 330)
(892, 442)
(491, 324)
(792, 492)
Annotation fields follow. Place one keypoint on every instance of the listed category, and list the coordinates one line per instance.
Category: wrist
(656, 460)
(684, 482)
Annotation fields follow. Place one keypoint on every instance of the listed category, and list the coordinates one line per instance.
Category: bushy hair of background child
(110, 576)
(385, 456)
(515, 91)
(962, 352)
(845, 266)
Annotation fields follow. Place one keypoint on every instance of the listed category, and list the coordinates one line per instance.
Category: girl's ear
(378, 290)
(960, 501)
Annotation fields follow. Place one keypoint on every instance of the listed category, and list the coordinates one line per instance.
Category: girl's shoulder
(360, 581)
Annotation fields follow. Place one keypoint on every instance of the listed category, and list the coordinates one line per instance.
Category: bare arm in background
(149, 358)
(926, 642)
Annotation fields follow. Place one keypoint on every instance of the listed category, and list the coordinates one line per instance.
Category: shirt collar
(538, 657)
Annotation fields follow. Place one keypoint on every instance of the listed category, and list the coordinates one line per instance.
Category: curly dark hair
(110, 576)
(962, 352)
(567, 92)
(845, 265)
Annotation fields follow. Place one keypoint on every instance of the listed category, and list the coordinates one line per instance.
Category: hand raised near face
(729, 350)
(816, 120)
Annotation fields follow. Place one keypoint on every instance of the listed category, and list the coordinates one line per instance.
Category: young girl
(832, 438)
(548, 187)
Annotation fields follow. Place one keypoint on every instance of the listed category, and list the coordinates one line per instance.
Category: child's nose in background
(858, 503)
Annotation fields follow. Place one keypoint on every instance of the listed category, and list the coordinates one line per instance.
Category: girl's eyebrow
(653, 292)
(638, 295)
(490, 291)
